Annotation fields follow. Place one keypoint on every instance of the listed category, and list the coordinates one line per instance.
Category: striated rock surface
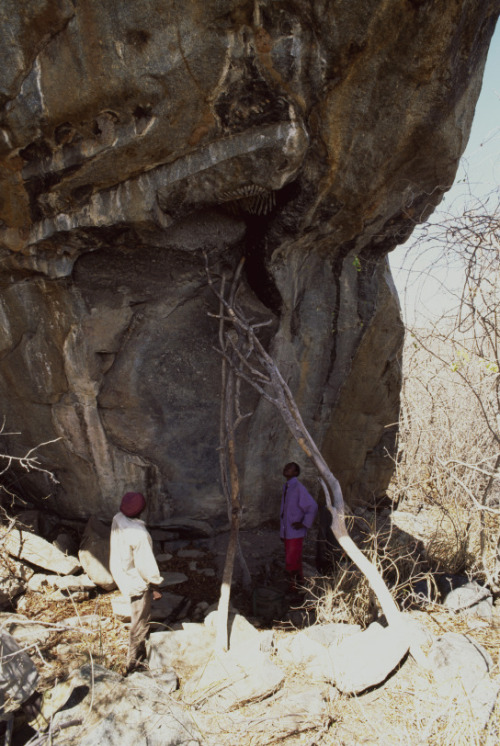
(26, 546)
(308, 137)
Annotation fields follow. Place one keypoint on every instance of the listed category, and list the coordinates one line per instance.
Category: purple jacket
(297, 506)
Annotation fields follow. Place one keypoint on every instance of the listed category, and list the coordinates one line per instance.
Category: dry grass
(346, 596)
(407, 709)
(447, 464)
(411, 708)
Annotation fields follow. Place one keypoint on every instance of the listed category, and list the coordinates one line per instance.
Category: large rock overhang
(309, 137)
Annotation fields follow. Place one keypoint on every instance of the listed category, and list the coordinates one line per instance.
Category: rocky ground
(275, 685)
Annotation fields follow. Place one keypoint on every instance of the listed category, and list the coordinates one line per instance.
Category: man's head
(291, 470)
(132, 504)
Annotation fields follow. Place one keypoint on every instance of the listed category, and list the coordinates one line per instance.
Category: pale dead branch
(263, 375)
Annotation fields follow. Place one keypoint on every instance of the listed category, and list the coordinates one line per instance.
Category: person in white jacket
(134, 569)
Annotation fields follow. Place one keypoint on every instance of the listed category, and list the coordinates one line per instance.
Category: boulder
(332, 633)
(454, 657)
(19, 675)
(85, 620)
(26, 632)
(296, 707)
(241, 633)
(484, 610)
(193, 644)
(40, 583)
(461, 667)
(367, 658)
(310, 141)
(233, 679)
(469, 594)
(13, 578)
(313, 658)
(108, 709)
(312, 649)
(94, 554)
(190, 647)
(27, 546)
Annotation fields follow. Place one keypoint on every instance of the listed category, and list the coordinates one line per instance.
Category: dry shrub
(449, 446)
(448, 454)
(345, 595)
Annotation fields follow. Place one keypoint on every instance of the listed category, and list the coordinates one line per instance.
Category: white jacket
(131, 559)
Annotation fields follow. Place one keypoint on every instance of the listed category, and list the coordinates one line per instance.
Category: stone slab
(27, 546)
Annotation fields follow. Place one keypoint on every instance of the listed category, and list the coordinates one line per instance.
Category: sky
(423, 277)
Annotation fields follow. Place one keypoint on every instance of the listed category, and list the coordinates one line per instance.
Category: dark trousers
(140, 614)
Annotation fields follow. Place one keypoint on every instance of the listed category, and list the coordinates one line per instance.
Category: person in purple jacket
(298, 511)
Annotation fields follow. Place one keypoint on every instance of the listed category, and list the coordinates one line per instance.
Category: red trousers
(293, 557)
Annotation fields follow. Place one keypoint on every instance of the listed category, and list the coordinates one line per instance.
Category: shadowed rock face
(309, 137)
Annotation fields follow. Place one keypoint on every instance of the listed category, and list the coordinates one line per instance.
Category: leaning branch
(254, 365)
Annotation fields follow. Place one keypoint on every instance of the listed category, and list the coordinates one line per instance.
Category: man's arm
(309, 507)
(145, 561)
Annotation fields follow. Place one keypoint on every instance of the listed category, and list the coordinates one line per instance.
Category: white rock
(190, 646)
(242, 633)
(233, 679)
(366, 659)
(39, 583)
(466, 596)
(37, 551)
(24, 631)
(113, 711)
(461, 668)
(13, 578)
(58, 595)
(85, 620)
(311, 648)
(326, 634)
(313, 658)
(454, 656)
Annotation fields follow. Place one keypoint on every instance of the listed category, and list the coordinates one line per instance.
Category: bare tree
(450, 426)
(230, 418)
(245, 355)
(28, 461)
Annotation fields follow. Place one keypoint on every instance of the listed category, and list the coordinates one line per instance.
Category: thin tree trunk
(258, 369)
(229, 421)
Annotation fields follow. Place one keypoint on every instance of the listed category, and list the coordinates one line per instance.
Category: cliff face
(308, 136)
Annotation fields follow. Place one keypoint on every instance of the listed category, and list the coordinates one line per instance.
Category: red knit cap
(132, 504)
